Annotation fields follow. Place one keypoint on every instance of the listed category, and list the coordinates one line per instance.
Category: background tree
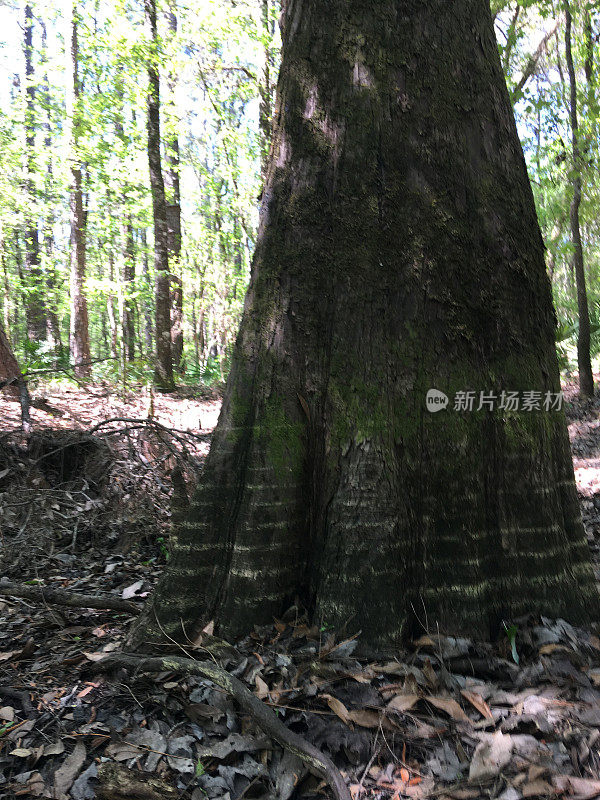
(163, 374)
(174, 208)
(387, 263)
(586, 379)
(79, 333)
(34, 302)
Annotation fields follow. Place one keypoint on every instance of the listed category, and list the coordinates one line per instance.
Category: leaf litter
(447, 718)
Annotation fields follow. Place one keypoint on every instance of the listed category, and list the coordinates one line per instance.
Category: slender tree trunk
(79, 332)
(11, 378)
(163, 373)
(148, 327)
(128, 313)
(398, 251)
(586, 378)
(7, 293)
(110, 309)
(34, 299)
(53, 333)
(174, 213)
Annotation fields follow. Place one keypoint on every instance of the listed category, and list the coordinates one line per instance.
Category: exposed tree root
(59, 597)
(316, 761)
(120, 783)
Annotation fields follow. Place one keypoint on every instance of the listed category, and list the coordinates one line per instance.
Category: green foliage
(211, 69)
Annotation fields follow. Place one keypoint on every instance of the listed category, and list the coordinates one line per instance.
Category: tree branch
(531, 66)
(316, 761)
(62, 598)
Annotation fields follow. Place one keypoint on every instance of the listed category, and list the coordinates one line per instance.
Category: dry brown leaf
(491, 755)
(548, 649)
(365, 718)
(537, 788)
(21, 752)
(420, 790)
(536, 771)
(450, 706)
(337, 707)
(478, 702)
(356, 790)
(464, 794)
(262, 690)
(403, 702)
(576, 788)
(429, 672)
(95, 656)
(424, 641)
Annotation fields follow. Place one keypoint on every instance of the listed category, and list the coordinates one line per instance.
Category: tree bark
(79, 330)
(35, 314)
(163, 372)
(584, 364)
(398, 250)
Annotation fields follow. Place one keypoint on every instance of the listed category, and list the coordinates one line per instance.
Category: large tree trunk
(398, 250)
(586, 378)
(35, 315)
(79, 332)
(163, 372)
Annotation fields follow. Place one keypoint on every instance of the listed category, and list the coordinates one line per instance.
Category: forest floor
(85, 508)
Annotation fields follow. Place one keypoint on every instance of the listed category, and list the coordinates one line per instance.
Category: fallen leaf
(7, 713)
(450, 706)
(54, 749)
(356, 790)
(537, 788)
(21, 752)
(365, 718)
(262, 690)
(478, 702)
(403, 702)
(131, 591)
(577, 788)
(490, 757)
(95, 656)
(6, 656)
(337, 707)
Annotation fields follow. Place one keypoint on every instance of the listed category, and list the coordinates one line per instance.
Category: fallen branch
(61, 598)
(262, 714)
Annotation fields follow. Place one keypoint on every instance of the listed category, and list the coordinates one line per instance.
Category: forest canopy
(217, 67)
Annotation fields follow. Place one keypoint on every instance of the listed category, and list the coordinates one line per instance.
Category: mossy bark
(398, 250)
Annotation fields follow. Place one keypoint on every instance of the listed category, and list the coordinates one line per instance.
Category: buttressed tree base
(398, 251)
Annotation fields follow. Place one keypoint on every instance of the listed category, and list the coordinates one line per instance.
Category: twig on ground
(62, 598)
